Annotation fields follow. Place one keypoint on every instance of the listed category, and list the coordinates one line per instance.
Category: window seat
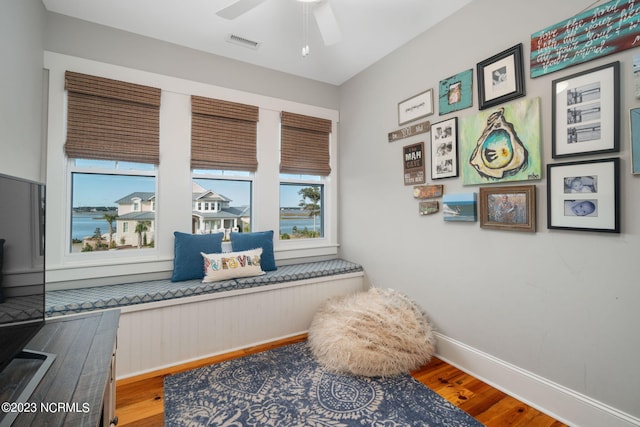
(70, 301)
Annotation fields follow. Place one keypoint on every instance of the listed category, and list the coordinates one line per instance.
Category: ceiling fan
(322, 12)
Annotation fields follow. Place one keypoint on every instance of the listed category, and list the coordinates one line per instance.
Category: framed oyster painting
(501, 144)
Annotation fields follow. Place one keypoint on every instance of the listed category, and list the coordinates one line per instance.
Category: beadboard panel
(158, 335)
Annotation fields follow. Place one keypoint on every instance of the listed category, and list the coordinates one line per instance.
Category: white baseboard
(562, 403)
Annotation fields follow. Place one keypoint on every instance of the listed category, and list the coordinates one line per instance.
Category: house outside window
(221, 202)
(106, 198)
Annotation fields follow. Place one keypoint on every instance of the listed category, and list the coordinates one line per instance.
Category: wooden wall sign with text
(413, 163)
(429, 207)
(609, 28)
(410, 131)
(427, 191)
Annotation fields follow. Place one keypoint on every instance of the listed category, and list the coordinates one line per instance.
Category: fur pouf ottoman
(374, 333)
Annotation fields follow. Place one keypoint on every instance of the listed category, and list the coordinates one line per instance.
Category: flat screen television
(22, 286)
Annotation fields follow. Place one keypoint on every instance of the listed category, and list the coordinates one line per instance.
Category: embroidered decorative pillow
(231, 265)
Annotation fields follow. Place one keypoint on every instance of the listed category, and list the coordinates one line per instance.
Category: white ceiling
(370, 29)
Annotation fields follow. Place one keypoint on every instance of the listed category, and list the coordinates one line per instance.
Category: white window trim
(108, 256)
(173, 196)
(308, 241)
(226, 176)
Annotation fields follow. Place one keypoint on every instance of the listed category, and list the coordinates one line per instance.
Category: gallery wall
(557, 307)
(21, 40)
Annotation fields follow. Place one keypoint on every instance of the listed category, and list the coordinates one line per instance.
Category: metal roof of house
(232, 212)
(142, 195)
(138, 216)
(210, 195)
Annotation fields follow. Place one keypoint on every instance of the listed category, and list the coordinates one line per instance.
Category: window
(221, 204)
(112, 205)
(304, 164)
(169, 169)
(112, 144)
(223, 160)
(301, 208)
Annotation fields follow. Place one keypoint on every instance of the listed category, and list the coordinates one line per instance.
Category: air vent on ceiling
(242, 41)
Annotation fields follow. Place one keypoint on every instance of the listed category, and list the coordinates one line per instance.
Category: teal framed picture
(635, 140)
(456, 92)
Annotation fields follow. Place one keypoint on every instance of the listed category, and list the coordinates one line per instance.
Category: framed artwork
(416, 107)
(584, 195)
(501, 78)
(444, 149)
(585, 111)
(502, 144)
(460, 207)
(456, 92)
(508, 208)
(414, 164)
(634, 120)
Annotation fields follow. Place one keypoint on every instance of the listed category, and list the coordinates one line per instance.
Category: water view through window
(112, 212)
(301, 211)
(115, 211)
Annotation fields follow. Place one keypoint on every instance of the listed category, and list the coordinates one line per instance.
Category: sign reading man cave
(414, 163)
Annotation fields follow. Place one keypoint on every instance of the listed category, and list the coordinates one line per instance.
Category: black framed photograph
(586, 112)
(501, 78)
(584, 195)
(444, 149)
(508, 208)
(416, 107)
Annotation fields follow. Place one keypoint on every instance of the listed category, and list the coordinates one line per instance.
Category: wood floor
(140, 400)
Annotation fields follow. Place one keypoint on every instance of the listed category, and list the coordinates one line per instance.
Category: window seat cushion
(303, 271)
(69, 301)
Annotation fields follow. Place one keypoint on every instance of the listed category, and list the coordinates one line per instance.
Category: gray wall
(560, 304)
(21, 80)
(563, 304)
(91, 41)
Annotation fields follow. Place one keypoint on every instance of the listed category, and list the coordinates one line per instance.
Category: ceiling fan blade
(238, 8)
(326, 20)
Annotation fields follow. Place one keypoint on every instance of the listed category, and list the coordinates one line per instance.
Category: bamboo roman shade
(112, 120)
(304, 145)
(223, 135)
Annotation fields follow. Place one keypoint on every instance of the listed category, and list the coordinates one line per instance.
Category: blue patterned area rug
(286, 387)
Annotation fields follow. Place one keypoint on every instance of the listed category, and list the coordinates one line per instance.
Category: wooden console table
(80, 384)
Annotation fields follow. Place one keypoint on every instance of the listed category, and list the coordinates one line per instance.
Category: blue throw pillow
(258, 239)
(187, 261)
